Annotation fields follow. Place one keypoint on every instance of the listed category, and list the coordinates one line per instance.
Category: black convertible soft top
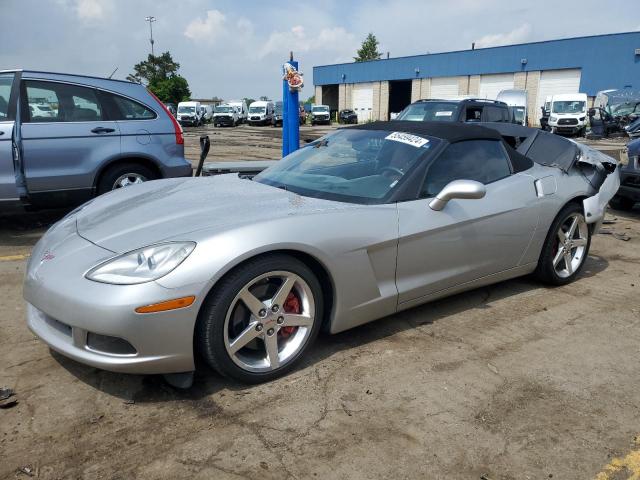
(449, 131)
(452, 132)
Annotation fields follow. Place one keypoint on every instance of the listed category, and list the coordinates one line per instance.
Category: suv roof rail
(472, 99)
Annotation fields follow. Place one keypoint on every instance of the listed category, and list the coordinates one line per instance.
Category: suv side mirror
(469, 189)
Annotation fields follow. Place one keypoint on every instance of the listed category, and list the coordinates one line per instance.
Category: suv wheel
(124, 175)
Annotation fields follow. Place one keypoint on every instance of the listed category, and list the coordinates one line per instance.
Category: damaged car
(629, 192)
(360, 224)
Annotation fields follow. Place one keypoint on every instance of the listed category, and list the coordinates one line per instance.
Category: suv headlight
(553, 119)
(142, 265)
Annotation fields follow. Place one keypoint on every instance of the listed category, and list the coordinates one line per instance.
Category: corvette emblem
(47, 256)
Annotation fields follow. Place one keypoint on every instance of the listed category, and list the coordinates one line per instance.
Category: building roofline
(483, 48)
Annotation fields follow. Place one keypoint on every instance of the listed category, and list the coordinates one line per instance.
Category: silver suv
(66, 138)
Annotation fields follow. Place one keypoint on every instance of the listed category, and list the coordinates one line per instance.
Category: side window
(493, 114)
(482, 160)
(121, 108)
(6, 81)
(473, 114)
(61, 102)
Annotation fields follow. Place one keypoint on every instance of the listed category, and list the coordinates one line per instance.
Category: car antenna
(109, 77)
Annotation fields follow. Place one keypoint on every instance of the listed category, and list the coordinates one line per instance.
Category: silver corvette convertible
(358, 225)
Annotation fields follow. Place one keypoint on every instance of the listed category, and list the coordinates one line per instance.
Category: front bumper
(322, 119)
(188, 122)
(65, 309)
(228, 121)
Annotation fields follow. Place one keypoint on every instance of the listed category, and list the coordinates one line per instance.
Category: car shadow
(152, 388)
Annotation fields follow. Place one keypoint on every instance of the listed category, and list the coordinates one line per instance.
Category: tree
(249, 101)
(264, 98)
(368, 50)
(311, 99)
(160, 74)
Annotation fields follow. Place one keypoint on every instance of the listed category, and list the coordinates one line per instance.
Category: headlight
(142, 265)
(553, 119)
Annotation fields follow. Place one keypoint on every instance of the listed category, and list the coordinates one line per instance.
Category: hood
(152, 212)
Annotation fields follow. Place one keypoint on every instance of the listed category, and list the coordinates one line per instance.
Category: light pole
(151, 19)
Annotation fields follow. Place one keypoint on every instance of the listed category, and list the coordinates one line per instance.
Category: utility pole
(151, 19)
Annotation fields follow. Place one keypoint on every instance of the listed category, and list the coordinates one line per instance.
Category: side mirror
(458, 189)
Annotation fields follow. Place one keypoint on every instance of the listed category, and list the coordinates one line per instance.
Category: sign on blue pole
(292, 83)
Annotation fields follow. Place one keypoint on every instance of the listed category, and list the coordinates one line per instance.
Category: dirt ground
(511, 381)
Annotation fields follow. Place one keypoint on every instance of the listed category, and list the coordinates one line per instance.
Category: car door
(62, 150)
(8, 187)
(468, 239)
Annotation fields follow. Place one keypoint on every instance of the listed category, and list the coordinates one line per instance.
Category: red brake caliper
(291, 305)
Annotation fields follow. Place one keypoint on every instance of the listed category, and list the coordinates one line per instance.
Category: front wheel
(566, 247)
(260, 320)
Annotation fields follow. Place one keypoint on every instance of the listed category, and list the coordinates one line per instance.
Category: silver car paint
(358, 245)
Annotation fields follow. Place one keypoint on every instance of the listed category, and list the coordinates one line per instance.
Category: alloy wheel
(269, 321)
(128, 179)
(571, 243)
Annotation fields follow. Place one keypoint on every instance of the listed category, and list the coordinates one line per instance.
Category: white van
(189, 114)
(516, 100)
(568, 113)
(207, 113)
(225, 115)
(241, 109)
(261, 113)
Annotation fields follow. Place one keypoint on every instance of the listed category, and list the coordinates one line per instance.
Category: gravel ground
(511, 381)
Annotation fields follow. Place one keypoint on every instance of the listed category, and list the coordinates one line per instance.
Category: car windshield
(222, 109)
(626, 108)
(257, 109)
(184, 109)
(568, 106)
(320, 109)
(430, 111)
(350, 165)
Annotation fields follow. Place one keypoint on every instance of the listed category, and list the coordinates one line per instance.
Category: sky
(235, 49)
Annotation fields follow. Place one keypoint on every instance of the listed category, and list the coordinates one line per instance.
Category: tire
(224, 315)
(116, 174)
(622, 203)
(552, 265)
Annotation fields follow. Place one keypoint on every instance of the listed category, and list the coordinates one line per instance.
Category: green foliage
(368, 50)
(174, 89)
(264, 98)
(311, 99)
(160, 74)
(249, 101)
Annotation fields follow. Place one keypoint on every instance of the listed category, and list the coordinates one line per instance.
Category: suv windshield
(351, 165)
(320, 109)
(430, 111)
(222, 109)
(256, 109)
(568, 106)
(184, 109)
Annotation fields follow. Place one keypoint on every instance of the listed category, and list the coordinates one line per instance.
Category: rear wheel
(566, 247)
(124, 175)
(261, 319)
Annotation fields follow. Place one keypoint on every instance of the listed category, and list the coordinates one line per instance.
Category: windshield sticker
(407, 138)
(444, 114)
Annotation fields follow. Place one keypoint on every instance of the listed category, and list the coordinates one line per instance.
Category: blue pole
(290, 117)
(285, 131)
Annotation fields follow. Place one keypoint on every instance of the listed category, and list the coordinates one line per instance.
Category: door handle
(103, 130)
